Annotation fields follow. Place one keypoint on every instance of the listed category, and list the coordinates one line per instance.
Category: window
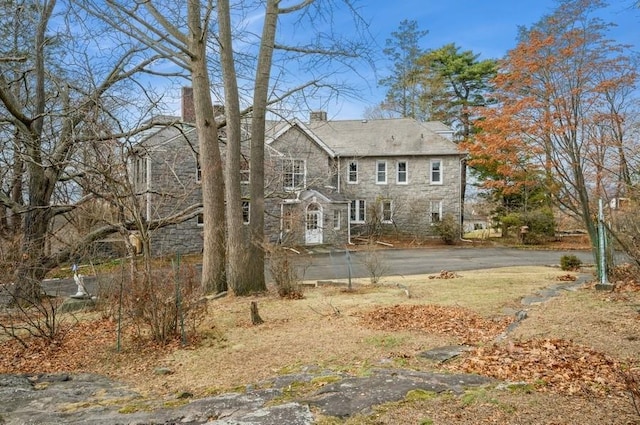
(246, 212)
(140, 171)
(387, 211)
(198, 172)
(352, 172)
(337, 218)
(436, 171)
(358, 209)
(244, 171)
(287, 221)
(402, 172)
(293, 174)
(436, 211)
(200, 220)
(381, 172)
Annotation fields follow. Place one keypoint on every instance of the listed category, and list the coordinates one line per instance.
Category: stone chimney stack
(188, 107)
(316, 116)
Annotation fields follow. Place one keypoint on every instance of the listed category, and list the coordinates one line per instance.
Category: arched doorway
(313, 224)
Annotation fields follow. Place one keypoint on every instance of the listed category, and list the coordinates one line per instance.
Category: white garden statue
(79, 279)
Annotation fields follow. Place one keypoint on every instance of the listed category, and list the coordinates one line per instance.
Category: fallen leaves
(463, 323)
(444, 274)
(549, 364)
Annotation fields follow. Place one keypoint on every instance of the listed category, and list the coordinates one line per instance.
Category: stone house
(326, 181)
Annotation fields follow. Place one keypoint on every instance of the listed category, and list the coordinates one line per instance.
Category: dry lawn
(388, 325)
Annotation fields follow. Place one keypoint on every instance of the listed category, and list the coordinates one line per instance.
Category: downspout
(148, 187)
(460, 203)
(349, 223)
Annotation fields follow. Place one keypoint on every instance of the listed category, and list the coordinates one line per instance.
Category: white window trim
(200, 220)
(406, 171)
(436, 182)
(431, 211)
(390, 220)
(349, 181)
(386, 171)
(355, 209)
(337, 219)
(304, 175)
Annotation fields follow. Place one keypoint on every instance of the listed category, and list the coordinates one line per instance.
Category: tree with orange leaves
(555, 117)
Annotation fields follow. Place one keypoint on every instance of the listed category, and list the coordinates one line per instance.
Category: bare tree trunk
(260, 97)
(237, 275)
(213, 258)
(255, 316)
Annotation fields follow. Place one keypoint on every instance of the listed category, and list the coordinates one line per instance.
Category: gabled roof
(387, 137)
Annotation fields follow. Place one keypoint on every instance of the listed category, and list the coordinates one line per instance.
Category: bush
(448, 229)
(284, 273)
(570, 263)
(159, 304)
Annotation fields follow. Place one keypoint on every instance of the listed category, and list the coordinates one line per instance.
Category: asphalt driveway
(338, 264)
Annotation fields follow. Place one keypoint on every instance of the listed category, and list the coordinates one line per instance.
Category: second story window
(352, 172)
(436, 171)
(244, 171)
(293, 174)
(402, 176)
(140, 171)
(381, 172)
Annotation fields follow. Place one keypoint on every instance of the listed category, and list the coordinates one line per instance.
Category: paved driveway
(334, 265)
(338, 264)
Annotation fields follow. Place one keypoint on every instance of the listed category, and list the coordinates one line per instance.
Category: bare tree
(50, 94)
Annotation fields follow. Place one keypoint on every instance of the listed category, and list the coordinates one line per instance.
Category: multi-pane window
(140, 170)
(358, 210)
(293, 174)
(436, 211)
(246, 212)
(352, 172)
(381, 172)
(402, 176)
(287, 221)
(387, 211)
(436, 171)
(244, 171)
(337, 217)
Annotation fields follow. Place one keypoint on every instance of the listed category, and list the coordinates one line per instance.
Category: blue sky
(487, 27)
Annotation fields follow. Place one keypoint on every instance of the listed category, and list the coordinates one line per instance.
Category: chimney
(316, 116)
(188, 107)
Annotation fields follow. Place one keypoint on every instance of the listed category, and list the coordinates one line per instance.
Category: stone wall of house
(411, 202)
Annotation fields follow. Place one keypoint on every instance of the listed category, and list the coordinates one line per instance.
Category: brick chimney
(315, 116)
(188, 107)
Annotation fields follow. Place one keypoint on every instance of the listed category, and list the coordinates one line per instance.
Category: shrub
(448, 229)
(374, 263)
(159, 303)
(284, 273)
(570, 262)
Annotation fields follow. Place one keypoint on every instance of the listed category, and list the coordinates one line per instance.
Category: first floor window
(287, 221)
(200, 219)
(436, 211)
(337, 217)
(387, 211)
(358, 209)
(246, 211)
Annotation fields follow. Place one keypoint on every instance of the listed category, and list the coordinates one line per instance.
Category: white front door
(313, 232)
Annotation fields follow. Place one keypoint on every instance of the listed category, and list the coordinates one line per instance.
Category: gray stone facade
(312, 186)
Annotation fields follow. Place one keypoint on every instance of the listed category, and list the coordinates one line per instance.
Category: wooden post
(255, 316)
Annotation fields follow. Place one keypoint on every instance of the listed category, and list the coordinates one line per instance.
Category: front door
(313, 233)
